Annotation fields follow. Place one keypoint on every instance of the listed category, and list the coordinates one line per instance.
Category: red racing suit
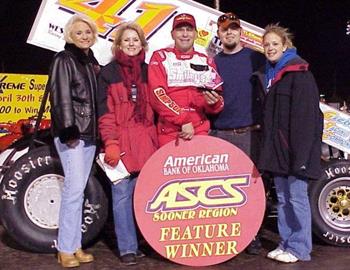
(175, 80)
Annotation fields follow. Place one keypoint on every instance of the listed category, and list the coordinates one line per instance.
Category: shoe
(286, 257)
(140, 254)
(128, 259)
(67, 260)
(254, 248)
(272, 254)
(83, 257)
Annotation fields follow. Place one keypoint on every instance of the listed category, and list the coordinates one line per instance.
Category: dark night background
(318, 26)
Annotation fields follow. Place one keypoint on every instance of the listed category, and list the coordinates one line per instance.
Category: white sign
(154, 16)
(336, 130)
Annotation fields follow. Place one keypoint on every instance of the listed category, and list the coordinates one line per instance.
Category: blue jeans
(248, 142)
(294, 216)
(123, 213)
(76, 163)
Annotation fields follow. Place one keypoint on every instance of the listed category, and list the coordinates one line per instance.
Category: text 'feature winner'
(199, 203)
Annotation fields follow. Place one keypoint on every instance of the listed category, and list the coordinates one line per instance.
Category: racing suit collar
(183, 56)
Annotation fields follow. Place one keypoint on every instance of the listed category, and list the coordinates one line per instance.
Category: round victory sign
(200, 202)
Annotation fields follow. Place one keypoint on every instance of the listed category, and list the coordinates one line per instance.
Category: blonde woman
(72, 83)
(126, 124)
(291, 146)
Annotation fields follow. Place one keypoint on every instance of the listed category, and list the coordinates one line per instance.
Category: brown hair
(282, 32)
(79, 18)
(128, 26)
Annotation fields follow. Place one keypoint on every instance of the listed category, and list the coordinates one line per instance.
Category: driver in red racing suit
(182, 83)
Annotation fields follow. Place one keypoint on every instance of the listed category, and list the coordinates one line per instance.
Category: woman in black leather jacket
(72, 84)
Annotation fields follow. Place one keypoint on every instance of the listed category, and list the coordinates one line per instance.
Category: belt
(242, 129)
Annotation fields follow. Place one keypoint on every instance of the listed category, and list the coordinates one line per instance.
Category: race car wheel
(330, 203)
(30, 197)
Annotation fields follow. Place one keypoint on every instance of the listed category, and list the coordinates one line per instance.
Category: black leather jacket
(72, 85)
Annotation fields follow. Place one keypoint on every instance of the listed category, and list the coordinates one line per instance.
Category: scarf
(81, 56)
(132, 75)
(273, 69)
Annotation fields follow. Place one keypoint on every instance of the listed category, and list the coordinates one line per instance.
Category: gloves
(112, 153)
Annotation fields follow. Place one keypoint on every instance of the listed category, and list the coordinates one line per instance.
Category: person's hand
(112, 153)
(72, 143)
(211, 97)
(187, 131)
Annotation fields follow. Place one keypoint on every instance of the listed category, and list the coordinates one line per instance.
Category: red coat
(175, 79)
(137, 139)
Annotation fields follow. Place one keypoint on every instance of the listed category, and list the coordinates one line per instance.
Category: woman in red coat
(126, 125)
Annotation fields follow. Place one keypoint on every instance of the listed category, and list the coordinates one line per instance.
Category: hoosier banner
(154, 16)
(199, 203)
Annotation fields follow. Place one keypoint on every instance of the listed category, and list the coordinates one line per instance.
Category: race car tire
(30, 196)
(330, 203)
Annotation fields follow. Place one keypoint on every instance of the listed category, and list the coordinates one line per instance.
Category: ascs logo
(194, 193)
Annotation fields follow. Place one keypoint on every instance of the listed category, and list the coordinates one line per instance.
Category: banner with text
(20, 98)
(199, 203)
(336, 129)
(154, 16)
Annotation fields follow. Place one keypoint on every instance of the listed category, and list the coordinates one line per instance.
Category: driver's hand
(211, 97)
(187, 131)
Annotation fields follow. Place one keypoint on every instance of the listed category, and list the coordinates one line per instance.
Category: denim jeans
(123, 213)
(76, 163)
(248, 142)
(294, 216)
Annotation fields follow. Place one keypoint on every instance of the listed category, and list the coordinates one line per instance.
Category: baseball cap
(184, 18)
(225, 20)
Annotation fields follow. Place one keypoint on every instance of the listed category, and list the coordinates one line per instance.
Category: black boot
(255, 246)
